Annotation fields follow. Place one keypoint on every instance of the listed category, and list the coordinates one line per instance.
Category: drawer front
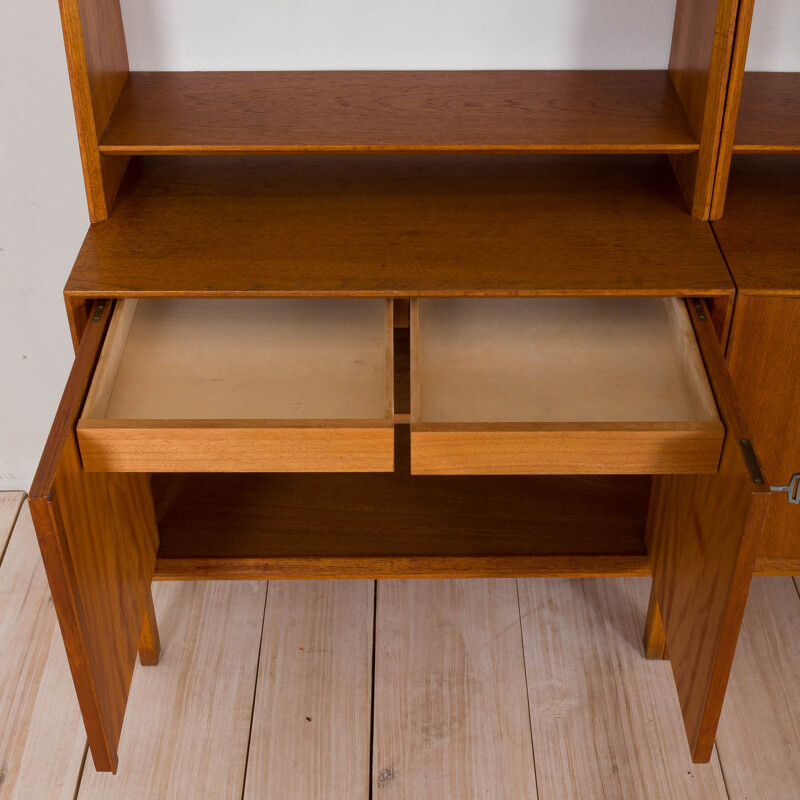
(154, 446)
(565, 450)
(243, 386)
(559, 386)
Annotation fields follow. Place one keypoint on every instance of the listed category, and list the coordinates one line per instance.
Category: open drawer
(559, 386)
(243, 385)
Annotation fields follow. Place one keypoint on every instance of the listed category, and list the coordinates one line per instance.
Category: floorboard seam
(372, 692)
(527, 689)
(13, 526)
(255, 691)
(80, 772)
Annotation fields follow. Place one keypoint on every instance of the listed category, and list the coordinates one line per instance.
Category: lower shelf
(371, 525)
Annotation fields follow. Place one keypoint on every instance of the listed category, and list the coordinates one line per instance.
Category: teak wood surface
(97, 59)
(703, 537)
(439, 111)
(243, 386)
(399, 226)
(764, 358)
(760, 233)
(699, 65)
(557, 386)
(398, 524)
(760, 238)
(761, 111)
(98, 537)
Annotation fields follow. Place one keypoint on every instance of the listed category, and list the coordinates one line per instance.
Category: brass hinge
(98, 311)
(792, 489)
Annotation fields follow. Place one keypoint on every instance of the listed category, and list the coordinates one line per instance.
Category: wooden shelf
(272, 112)
(760, 231)
(446, 225)
(769, 114)
(398, 525)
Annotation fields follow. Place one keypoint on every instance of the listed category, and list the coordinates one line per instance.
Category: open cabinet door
(98, 537)
(703, 536)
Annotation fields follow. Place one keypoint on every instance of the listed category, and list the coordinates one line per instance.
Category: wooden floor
(442, 690)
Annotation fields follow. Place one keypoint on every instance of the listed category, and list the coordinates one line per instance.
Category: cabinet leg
(655, 641)
(149, 642)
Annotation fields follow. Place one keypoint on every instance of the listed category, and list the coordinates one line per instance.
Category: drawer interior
(260, 359)
(243, 385)
(562, 386)
(557, 360)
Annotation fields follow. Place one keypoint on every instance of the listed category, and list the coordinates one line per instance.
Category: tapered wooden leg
(655, 640)
(149, 642)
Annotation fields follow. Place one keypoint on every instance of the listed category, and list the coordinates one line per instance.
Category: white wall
(42, 206)
(387, 34)
(43, 219)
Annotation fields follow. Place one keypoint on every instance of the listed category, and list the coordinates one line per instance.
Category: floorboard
(188, 719)
(759, 733)
(606, 723)
(10, 504)
(311, 719)
(42, 742)
(451, 718)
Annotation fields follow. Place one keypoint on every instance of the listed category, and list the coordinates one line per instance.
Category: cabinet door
(703, 538)
(98, 537)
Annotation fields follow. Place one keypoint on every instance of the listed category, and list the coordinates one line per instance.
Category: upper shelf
(407, 226)
(504, 111)
(769, 114)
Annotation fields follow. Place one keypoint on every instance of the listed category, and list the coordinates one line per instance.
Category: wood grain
(703, 538)
(744, 18)
(98, 538)
(318, 525)
(310, 735)
(449, 678)
(759, 234)
(764, 360)
(759, 730)
(149, 639)
(244, 359)
(654, 640)
(97, 59)
(547, 360)
(41, 742)
(235, 386)
(565, 111)
(399, 226)
(565, 448)
(236, 446)
(699, 65)
(551, 386)
(605, 722)
(769, 114)
(762, 113)
(189, 721)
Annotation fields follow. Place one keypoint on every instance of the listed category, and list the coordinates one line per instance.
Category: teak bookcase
(417, 324)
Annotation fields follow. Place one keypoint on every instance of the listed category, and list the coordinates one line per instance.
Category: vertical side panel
(703, 535)
(702, 42)
(732, 102)
(97, 58)
(98, 537)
